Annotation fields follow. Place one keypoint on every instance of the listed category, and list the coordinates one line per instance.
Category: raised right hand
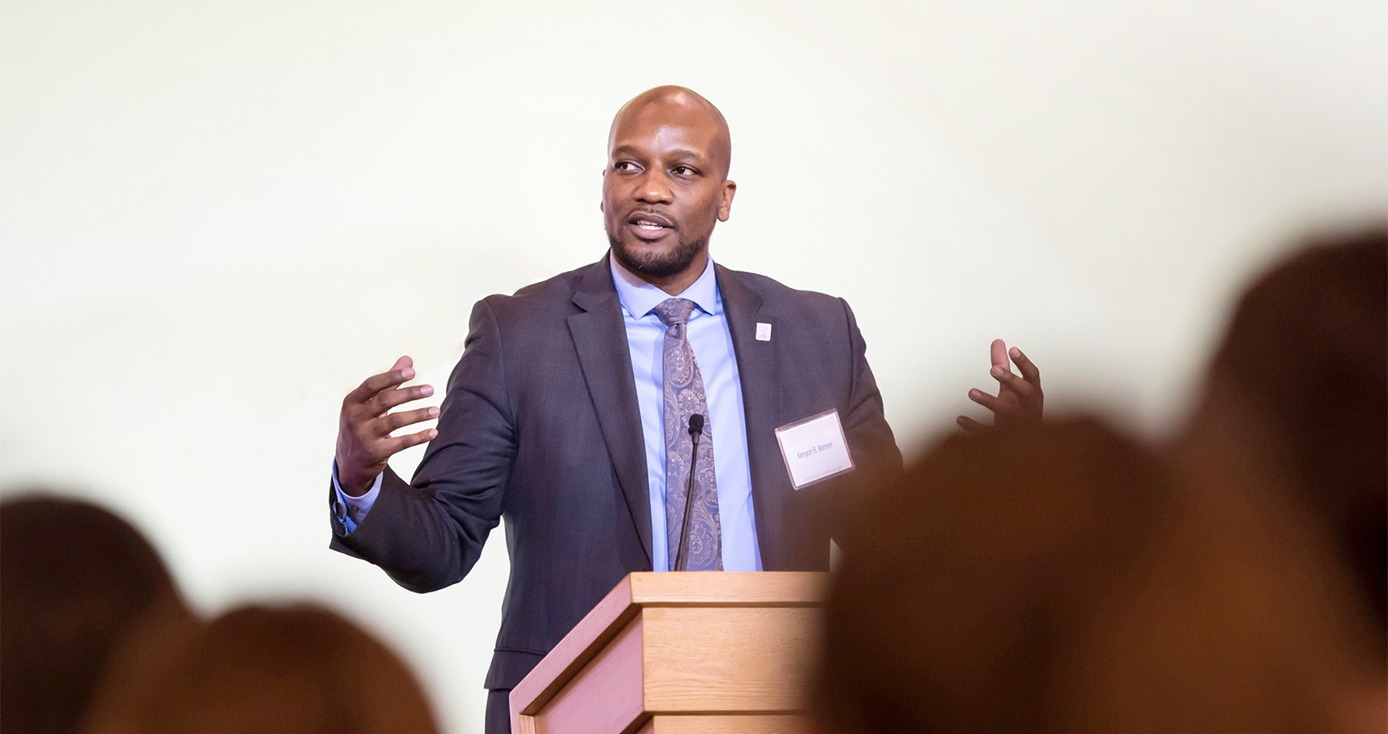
(364, 442)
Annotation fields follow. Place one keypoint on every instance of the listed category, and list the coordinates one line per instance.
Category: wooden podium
(678, 653)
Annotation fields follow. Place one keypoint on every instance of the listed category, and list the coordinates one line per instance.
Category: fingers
(997, 352)
(387, 400)
(374, 455)
(379, 393)
(400, 443)
(399, 374)
(1010, 381)
(1030, 373)
(1019, 398)
(395, 421)
(970, 425)
(984, 399)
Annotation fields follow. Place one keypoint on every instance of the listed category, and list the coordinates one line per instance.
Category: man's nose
(653, 189)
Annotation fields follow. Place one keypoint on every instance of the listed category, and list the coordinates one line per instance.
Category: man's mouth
(650, 226)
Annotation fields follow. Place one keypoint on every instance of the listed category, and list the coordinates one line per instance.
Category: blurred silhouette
(1064, 579)
(294, 670)
(1297, 393)
(77, 579)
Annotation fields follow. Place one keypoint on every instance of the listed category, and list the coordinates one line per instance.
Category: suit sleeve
(428, 533)
(870, 439)
(869, 436)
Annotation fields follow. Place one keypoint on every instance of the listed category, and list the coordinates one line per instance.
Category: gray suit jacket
(541, 425)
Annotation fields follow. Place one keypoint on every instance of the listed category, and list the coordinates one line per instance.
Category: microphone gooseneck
(696, 429)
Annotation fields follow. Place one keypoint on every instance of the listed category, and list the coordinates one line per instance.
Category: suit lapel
(757, 367)
(603, 354)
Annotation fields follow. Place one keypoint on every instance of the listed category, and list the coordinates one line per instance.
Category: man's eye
(624, 166)
(683, 171)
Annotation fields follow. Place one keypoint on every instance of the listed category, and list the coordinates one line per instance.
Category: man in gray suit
(569, 410)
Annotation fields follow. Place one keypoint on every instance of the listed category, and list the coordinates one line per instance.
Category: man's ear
(604, 178)
(725, 203)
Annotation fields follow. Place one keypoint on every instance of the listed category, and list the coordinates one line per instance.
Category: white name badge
(814, 449)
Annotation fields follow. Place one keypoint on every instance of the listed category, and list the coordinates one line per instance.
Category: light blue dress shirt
(713, 351)
(712, 343)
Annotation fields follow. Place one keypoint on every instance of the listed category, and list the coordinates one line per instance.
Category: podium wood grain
(670, 653)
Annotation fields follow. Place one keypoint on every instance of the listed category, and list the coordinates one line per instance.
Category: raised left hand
(1019, 399)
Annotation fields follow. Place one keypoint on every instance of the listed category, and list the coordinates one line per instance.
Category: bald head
(671, 105)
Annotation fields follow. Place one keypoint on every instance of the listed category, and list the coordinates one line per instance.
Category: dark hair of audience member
(1061, 579)
(293, 670)
(76, 580)
(1307, 351)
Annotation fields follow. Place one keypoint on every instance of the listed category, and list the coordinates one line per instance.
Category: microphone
(696, 429)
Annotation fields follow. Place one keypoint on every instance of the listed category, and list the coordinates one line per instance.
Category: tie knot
(674, 311)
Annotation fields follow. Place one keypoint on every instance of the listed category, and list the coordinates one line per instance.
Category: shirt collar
(639, 298)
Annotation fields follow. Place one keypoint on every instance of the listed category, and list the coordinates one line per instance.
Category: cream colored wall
(219, 217)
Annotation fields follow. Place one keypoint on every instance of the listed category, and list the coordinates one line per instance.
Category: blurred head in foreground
(1298, 394)
(1063, 580)
(76, 581)
(292, 670)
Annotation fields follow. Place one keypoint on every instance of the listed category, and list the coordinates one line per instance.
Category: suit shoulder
(551, 294)
(777, 294)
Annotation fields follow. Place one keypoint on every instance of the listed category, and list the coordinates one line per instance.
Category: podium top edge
(770, 588)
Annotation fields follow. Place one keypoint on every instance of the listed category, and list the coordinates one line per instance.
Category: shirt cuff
(349, 510)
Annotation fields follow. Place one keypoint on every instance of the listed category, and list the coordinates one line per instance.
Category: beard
(664, 264)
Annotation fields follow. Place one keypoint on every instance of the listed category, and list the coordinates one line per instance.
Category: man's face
(664, 187)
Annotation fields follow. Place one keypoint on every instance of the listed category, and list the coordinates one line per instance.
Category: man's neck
(672, 284)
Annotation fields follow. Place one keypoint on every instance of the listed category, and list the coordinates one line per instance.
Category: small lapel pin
(763, 332)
